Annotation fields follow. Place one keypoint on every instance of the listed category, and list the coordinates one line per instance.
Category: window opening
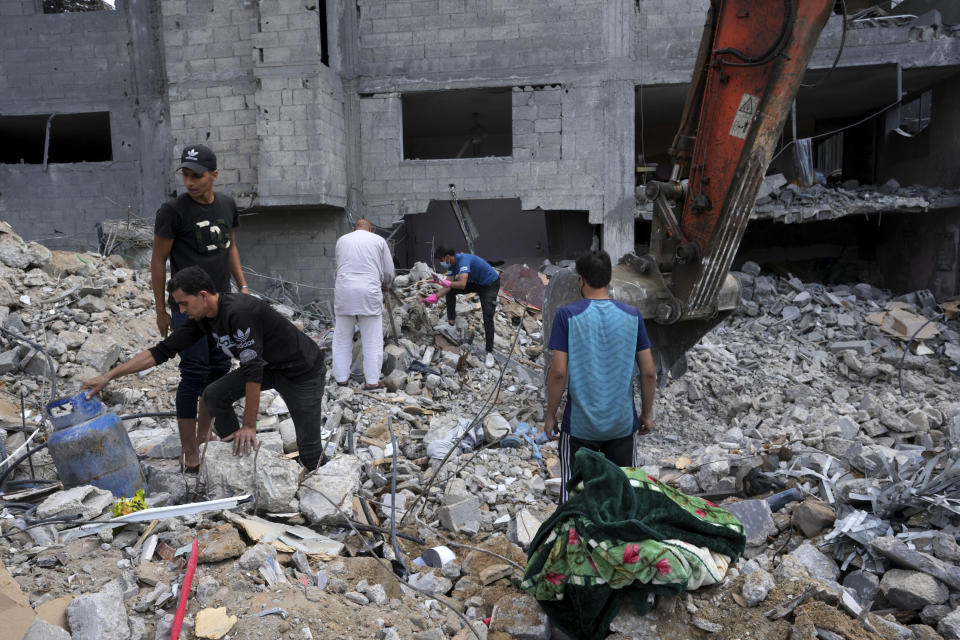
(468, 123)
(73, 137)
(324, 39)
(915, 114)
(76, 6)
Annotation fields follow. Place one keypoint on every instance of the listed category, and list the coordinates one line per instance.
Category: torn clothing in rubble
(250, 330)
(623, 536)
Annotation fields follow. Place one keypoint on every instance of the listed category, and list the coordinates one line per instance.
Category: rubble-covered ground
(810, 387)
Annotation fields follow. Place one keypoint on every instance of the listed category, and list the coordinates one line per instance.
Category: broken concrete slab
(219, 543)
(813, 516)
(459, 512)
(861, 347)
(864, 585)
(98, 616)
(757, 520)
(92, 304)
(818, 564)
(213, 623)
(227, 475)
(43, 630)
(912, 590)
(165, 476)
(898, 551)
(335, 483)
(523, 528)
(495, 427)
(9, 361)
(99, 351)
(520, 616)
(86, 502)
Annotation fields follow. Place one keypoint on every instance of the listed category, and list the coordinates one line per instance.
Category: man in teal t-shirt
(594, 342)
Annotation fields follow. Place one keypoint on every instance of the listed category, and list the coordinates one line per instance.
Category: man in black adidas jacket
(273, 354)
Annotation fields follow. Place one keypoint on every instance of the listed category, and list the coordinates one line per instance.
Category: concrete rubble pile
(790, 204)
(800, 387)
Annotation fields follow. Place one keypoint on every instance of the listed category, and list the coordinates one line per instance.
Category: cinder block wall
(295, 247)
(453, 36)
(246, 78)
(540, 172)
(62, 64)
(571, 109)
(209, 66)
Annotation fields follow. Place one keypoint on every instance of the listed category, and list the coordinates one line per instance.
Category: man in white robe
(364, 270)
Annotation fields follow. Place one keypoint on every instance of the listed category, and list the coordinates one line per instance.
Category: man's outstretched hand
(244, 440)
(95, 385)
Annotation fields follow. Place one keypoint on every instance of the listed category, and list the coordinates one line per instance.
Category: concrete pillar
(618, 129)
(618, 191)
(155, 143)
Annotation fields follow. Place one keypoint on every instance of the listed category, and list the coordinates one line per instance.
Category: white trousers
(371, 336)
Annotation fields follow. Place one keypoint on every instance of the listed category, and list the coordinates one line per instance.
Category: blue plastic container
(90, 448)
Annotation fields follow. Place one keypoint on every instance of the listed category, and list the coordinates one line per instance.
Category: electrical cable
(484, 409)
(844, 128)
(149, 414)
(13, 465)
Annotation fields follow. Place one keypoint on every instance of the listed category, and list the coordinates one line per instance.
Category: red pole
(184, 592)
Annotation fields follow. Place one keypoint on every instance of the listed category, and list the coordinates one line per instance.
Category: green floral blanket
(623, 534)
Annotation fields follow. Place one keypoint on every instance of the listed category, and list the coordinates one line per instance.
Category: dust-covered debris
(801, 389)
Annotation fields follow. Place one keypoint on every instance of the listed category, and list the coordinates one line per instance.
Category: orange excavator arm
(752, 58)
(753, 54)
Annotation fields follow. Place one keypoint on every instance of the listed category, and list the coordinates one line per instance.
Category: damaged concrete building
(544, 118)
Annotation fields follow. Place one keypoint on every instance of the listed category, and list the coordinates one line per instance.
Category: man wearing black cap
(195, 229)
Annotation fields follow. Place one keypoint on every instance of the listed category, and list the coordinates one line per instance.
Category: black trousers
(488, 305)
(303, 397)
(620, 451)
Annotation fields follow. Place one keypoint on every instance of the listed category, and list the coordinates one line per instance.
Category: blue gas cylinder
(90, 448)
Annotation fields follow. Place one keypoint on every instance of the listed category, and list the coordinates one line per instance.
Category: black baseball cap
(199, 158)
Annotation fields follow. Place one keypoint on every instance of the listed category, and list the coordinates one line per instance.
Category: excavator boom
(752, 57)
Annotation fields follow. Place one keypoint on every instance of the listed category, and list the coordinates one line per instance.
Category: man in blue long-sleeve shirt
(273, 354)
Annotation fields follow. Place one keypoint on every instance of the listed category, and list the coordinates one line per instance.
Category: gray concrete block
(99, 351)
(459, 512)
(86, 502)
(332, 484)
(228, 475)
(98, 616)
(43, 630)
(816, 562)
(862, 347)
(9, 361)
(912, 590)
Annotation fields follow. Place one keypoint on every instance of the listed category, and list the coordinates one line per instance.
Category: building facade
(537, 118)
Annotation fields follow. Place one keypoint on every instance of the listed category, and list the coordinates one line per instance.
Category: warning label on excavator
(741, 122)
